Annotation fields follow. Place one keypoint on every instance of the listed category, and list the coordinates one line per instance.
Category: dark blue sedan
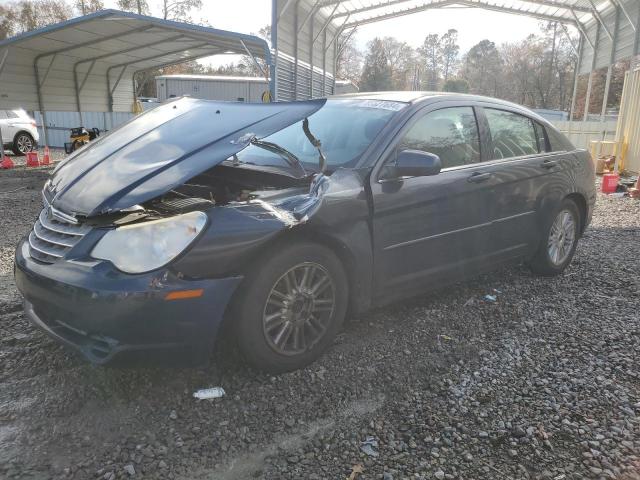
(279, 219)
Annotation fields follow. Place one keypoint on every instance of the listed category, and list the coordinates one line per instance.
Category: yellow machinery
(79, 137)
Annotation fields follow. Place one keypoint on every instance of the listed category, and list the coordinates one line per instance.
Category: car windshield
(345, 127)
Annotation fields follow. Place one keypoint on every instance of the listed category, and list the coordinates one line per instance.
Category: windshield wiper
(286, 154)
(322, 160)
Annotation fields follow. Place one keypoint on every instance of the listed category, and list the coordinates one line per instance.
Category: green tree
(376, 74)
(482, 68)
(431, 52)
(457, 85)
(450, 52)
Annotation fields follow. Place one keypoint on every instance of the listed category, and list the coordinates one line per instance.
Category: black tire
(23, 143)
(251, 307)
(543, 263)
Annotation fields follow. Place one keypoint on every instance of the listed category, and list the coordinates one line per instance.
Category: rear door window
(450, 133)
(557, 141)
(512, 135)
(542, 138)
(3, 115)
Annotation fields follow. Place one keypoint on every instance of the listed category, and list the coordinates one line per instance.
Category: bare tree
(88, 6)
(140, 7)
(179, 10)
(349, 60)
(402, 61)
(7, 21)
(32, 14)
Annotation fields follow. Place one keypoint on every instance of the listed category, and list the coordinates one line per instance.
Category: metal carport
(305, 31)
(88, 63)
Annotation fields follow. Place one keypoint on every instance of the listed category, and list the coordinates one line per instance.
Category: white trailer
(237, 89)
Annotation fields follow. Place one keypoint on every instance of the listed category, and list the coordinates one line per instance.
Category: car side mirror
(413, 163)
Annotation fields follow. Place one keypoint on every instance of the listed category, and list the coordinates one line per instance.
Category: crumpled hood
(162, 149)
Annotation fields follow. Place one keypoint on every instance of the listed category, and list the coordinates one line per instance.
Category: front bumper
(105, 314)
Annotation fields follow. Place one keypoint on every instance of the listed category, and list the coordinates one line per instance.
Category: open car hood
(163, 148)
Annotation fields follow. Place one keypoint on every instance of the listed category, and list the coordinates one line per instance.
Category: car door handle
(479, 177)
(549, 164)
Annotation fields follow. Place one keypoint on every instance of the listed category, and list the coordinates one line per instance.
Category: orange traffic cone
(46, 158)
(32, 159)
(6, 163)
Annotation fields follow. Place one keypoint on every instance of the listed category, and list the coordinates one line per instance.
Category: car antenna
(316, 143)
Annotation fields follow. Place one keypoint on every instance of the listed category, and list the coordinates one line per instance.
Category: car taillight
(33, 123)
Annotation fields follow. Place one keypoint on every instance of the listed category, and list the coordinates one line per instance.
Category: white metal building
(240, 89)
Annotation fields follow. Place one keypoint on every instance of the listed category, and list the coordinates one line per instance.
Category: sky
(473, 25)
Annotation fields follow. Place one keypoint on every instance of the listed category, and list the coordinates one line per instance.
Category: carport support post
(295, 51)
(1, 146)
(311, 45)
(607, 85)
(593, 67)
(636, 40)
(40, 104)
(576, 77)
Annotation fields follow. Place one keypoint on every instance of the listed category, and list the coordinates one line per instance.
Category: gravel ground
(543, 383)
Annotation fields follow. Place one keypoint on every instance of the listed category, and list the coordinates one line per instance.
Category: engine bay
(223, 185)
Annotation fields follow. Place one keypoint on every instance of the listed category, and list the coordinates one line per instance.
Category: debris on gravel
(542, 384)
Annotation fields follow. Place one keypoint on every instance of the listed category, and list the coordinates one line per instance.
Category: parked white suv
(19, 132)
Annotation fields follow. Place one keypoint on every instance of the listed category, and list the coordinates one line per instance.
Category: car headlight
(146, 246)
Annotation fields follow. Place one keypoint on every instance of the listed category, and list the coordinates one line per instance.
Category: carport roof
(78, 54)
(351, 13)
(143, 42)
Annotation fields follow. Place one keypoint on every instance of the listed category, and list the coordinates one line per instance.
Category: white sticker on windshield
(382, 104)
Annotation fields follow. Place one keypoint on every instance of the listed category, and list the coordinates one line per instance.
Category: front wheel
(23, 144)
(559, 241)
(290, 307)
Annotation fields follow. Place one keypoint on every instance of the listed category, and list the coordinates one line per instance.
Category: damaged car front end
(147, 236)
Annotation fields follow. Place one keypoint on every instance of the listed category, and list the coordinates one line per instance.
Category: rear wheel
(559, 242)
(23, 143)
(291, 308)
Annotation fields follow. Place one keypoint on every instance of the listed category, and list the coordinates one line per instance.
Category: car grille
(51, 237)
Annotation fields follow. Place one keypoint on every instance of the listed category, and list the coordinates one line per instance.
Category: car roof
(416, 97)
(399, 96)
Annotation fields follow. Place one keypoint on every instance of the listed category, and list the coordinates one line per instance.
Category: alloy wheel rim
(299, 309)
(561, 237)
(24, 144)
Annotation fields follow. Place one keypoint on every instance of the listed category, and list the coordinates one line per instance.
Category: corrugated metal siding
(299, 86)
(626, 40)
(628, 134)
(229, 90)
(18, 81)
(582, 134)
(59, 124)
